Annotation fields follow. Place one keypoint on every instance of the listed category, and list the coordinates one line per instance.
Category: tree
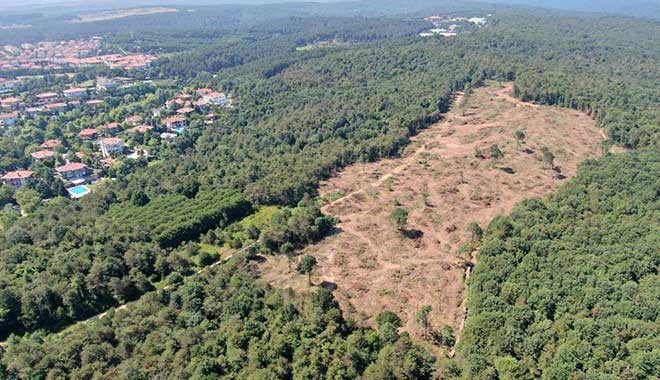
(140, 198)
(496, 152)
(28, 199)
(399, 217)
(548, 158)
(306, 266)
(475, 231)
(520, 137)
(423, 318)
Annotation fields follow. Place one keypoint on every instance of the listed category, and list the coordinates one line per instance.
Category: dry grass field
(444, 186)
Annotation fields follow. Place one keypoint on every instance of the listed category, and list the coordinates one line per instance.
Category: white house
(75, 93)
(111, 145)
(175, 123)
(8, 119)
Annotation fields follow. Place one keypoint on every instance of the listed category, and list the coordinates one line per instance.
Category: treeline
(228, 324)
(74, 264)
(567, 287)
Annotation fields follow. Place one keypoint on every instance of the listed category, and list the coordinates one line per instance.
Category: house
(111, 128)
(43, 155)
(168, 136)
(51, 144)
(8, 119)
(88, 133)
(10, 103)
(217, 98)
(46, 97)
(18, 178)
(105, 84)
(139, 129)
(94, 102)
(111, 145)
(175, 123)
(73, 171)
(134, 120)
(56, 107)
(75, 93)
(108, 162)
(184, 110)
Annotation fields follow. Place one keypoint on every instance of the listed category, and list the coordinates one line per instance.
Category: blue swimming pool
(79, 191)
(180, 130)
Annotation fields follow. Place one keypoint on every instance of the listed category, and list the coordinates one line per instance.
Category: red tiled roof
(88, 132)
(70, 167)
(73, 90)
(45, 95)
(43, 154)
(184, 110)
(140, 128)
(51, 143)
(112, 125)
(18, 174)
(112, 141)
(174, 119)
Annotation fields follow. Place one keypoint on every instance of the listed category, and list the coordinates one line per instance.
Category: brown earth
(444, 187)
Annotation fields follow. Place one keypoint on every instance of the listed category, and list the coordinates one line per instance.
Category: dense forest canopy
(300, 115)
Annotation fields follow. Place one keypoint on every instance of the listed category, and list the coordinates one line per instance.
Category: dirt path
(444, 186)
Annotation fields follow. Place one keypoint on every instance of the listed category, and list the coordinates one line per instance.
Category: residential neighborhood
(89, 129)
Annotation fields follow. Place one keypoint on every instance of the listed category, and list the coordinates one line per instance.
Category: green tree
(496, 152)
(399, 217)
(423, 318)
(548, 158)
(306, 266)
(28, 199)
(520, 137)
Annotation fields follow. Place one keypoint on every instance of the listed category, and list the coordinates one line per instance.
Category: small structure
(43, 155)
(17, 179)
(111, 145)
(217, 98)
(46, 97)
(142, 128)
(75, 93)
(88, 133)
(51, 144)
(8, 119)
(94, 102)
(185, 110)
(10, 103)
(111, 128)
(168, 136)
(56, 107)
(175, 123)
(134, 120)
(108, 162)
(73, 171)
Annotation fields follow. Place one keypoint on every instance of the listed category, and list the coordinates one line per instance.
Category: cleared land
(112, 15)
(444, 186)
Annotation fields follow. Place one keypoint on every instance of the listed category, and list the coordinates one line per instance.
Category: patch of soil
(444, 186)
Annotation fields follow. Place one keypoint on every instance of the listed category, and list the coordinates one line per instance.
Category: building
(18, 178)
(73, 171)
(56, 107)
(43, 155)
(88, 133)
(10, 103)
(185, 110)
(217, 98)
(134, 120)
(51, 144)
(94, 102)
(8, 119)
(104, 84)
(46, 97)
(111, 145)
(175, 123)
(111, 128)
(139, 129)
(75, 93)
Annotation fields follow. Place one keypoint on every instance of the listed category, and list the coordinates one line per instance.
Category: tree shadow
(412, 233)
(508, 170)
(528, 151)
(328, 285)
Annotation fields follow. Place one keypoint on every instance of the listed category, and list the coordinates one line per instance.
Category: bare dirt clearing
(444, 186)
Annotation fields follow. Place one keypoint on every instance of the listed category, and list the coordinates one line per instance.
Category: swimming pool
(79, 191)
(180, 130)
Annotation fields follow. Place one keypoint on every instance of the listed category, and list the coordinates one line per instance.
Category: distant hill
(639, 8)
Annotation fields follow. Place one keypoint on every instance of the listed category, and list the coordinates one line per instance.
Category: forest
(564, 285)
